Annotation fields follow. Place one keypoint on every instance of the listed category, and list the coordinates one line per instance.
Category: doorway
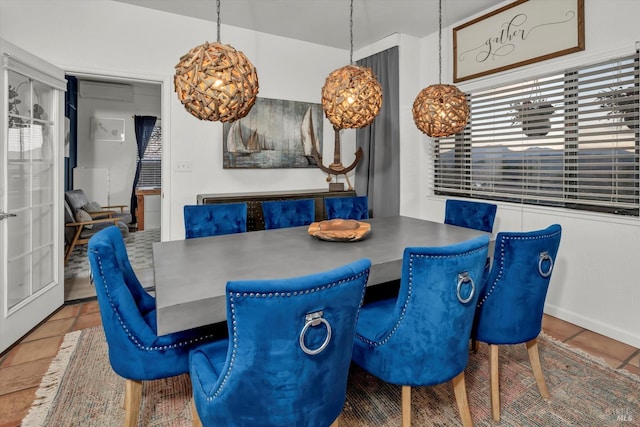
(102, 162)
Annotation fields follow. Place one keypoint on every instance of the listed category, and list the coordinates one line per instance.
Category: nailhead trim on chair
(233, 295)
(387, 337)
(501, 271)
(134, 339)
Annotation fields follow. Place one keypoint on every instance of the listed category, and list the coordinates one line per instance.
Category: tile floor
(22, 367)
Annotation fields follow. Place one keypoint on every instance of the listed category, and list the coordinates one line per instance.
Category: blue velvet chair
(288, 213)
(465, 213)
(128, 313)
(421, 337)
(214, 219)
(287, 359)
(347, 207)
(511, 305)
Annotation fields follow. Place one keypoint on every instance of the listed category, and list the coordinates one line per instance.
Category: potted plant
(620, 102)
(534, 116)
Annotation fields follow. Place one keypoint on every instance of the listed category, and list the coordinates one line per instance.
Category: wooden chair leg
(72, 245)
(534, 358)
(194, 415)
(406, 406)
(336, 422)
(460, 391)
(132, 399)
(494, 381)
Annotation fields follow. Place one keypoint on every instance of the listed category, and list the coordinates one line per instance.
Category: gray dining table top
(191, 275)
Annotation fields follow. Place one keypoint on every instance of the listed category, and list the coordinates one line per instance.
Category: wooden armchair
(79, 232)
(77, 199)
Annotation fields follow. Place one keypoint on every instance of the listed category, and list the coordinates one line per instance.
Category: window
(150, 171)
(568, 139)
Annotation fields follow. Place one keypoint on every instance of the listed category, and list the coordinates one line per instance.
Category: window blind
(569, 139)
(151, 166)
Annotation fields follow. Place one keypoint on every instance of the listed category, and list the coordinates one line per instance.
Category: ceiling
(326, 22)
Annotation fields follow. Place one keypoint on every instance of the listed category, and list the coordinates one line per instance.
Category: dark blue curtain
(143, 126)
(71, 112)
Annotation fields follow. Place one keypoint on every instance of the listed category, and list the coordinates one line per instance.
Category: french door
(30, 192)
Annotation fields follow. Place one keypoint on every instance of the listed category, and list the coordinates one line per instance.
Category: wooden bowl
(339, 230)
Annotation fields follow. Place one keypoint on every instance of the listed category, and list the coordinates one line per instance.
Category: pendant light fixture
(216, 82)
(440, 110)
(351, 99)
(351, 95)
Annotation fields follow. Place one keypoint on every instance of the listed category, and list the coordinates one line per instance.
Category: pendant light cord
(440, 42)
(351, 34)
(218, 22)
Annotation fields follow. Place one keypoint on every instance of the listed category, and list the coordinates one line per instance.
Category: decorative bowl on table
(339, 230)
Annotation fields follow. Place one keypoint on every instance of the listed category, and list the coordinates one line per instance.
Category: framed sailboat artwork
(275, 134)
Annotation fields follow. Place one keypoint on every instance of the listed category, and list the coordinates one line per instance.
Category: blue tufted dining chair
(347, 207)
(214, 219)
(421, 337)
(511, 305)
(288, 213)
(287, 359)
(136, 352)
(465, 213)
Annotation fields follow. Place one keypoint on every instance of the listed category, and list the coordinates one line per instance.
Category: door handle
(4, 215)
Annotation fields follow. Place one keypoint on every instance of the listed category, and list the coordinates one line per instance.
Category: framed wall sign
(517, 34)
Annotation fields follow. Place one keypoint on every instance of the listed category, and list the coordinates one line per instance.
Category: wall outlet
(184, 166)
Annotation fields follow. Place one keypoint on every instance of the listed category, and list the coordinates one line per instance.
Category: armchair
(287, 358)
(288, 213)
(347, 207)
(77, 200)
(466, 213)
(79, 232)
(128, 313)
(421, 337)
(214, 220)
(511, 306)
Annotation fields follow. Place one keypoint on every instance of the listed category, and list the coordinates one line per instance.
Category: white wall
(90, 37)
(595, 284)
(118, 158)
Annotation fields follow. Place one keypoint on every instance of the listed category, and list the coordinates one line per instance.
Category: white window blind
(568, 139)
(151, 169)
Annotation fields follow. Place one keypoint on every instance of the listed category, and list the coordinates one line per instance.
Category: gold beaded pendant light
(440, 110)
(216, 82)
(351, 95)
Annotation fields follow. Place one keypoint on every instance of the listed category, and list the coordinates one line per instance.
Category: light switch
(184, 166)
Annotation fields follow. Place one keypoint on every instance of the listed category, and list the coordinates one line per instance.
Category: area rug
(81, 389)
(139, 248)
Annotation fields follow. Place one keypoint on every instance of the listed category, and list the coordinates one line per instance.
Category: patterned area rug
(81, 389)
(138, 245)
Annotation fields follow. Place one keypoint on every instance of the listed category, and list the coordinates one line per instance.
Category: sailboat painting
(275, 134)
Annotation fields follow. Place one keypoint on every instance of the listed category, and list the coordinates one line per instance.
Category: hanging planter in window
(534, 116)
(621, 104)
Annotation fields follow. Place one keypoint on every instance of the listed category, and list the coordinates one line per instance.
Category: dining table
(191, 275)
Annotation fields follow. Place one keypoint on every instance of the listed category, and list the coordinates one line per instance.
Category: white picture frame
(105, 129)
(517, 34)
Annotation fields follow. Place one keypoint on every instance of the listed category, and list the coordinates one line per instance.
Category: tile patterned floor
(138, 248)
(22, 367)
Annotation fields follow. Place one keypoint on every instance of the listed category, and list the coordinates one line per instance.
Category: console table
(255, 221)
